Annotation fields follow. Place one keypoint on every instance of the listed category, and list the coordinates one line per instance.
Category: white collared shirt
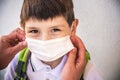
(44, 72)
(37, 70)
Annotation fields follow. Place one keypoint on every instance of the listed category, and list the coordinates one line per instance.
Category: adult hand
(10, 45)
(76, 61)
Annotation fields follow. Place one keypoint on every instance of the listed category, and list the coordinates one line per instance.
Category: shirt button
(48, 69)
(47, 79)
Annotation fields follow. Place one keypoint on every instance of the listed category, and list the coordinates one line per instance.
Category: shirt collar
(58, 69)
(38, 65)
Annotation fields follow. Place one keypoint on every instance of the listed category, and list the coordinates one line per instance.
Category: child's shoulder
(91, 72)
(15, 59)
(12, 67)
(10, 72)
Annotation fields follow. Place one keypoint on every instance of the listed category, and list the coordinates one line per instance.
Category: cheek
(62, 34)
(26, 33)
(25, 30)
(67, 32)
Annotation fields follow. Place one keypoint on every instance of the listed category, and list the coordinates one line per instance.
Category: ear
(74, 27)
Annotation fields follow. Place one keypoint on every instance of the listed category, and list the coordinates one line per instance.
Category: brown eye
(55, 30)
(33, 31)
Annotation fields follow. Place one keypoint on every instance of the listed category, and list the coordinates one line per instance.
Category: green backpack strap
(87, 56)
(21, 66)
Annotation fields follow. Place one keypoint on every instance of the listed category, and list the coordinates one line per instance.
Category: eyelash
(33, 31)
(53, 30)
(56, 30)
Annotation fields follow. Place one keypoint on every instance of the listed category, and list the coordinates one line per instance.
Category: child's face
(47, 29)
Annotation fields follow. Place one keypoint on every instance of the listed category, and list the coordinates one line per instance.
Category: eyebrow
(31, 27)
(57, 26)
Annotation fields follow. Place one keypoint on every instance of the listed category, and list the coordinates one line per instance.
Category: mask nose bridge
(44, 37)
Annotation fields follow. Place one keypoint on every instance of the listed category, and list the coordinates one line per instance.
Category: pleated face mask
(50, 50)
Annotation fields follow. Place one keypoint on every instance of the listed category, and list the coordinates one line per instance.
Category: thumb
(72, 56)
(18, 47)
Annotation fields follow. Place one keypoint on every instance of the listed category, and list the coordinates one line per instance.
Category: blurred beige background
(99, 28)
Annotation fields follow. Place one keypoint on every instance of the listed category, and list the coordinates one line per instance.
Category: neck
(53, 64)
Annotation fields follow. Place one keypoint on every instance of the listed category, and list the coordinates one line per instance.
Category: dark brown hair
(44, 9)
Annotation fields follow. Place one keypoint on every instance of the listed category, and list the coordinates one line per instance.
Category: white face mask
(50, 50)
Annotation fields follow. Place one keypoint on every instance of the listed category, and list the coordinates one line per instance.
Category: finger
(15, 37)
(80, 46)
(81, 60)
(20, 34)
(73, 40)
(18, 47)
(17, 34)
(72, 56)
(77, 42)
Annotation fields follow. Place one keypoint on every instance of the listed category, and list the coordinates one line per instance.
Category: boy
(48, 25)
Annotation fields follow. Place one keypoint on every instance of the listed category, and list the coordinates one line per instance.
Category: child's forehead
(59, 20)
(48, 19)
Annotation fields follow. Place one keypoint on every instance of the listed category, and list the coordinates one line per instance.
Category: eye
(33, 31)
(56, 30)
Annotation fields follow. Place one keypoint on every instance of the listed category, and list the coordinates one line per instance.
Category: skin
(75, 64)
(56, 28)
(76, 61)
(10, 45)
(47, 30)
